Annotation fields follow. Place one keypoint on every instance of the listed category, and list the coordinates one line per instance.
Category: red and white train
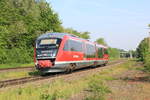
(61, 52)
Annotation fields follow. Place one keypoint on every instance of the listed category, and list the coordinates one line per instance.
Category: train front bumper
(53, 69)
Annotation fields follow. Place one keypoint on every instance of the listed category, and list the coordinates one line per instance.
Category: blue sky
(123, 23)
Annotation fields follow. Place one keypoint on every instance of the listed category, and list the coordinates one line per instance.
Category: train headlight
(36, 63)
(54, 54)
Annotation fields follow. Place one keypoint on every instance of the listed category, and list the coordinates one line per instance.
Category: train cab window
(90, 51)
(73, 45)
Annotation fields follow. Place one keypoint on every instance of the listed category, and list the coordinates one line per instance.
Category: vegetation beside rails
(61, 89)
(147, 63)
(8, 75)
(97, 89)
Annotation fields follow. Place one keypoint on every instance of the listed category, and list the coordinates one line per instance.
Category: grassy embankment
(15, 74)
(65, 89)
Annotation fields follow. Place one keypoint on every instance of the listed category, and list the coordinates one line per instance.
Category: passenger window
(73, 45)
(66, 47)
(90, 51)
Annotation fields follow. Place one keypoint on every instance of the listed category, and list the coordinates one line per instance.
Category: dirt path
(132, 84)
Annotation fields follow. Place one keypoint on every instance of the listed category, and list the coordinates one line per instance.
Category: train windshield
(47, 48)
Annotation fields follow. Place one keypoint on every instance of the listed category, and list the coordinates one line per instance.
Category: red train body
(60, 52)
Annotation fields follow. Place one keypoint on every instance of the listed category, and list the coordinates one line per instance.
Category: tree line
(22, 21)
(114, 53)
(143, 52)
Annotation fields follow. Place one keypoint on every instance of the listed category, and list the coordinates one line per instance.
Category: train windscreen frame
(47, 48)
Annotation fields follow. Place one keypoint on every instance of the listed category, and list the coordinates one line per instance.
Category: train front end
(47, 47)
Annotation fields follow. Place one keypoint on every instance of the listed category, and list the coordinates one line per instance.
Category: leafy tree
(144, 53)
(21, 21)
(49, 19)
(85, 35)
(101, 41)
(114, 53)
(142, 49)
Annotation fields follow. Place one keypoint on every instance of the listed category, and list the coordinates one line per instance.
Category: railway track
(17, 68)
(23, 80)
(25, 68)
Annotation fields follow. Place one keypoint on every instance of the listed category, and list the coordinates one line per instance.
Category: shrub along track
(83, 71)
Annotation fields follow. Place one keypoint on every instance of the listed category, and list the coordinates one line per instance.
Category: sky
(122, 23)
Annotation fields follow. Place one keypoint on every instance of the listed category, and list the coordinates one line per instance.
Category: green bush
(147, 62)
(47, 96)
(15, 55)
(114, 53)
(3, 56)
(144, 53)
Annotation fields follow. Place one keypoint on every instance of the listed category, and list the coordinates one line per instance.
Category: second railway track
(23, 80)
(16, 69)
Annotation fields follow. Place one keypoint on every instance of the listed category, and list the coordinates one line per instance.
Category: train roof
(57, 35)
(61, 35)
(102, 46)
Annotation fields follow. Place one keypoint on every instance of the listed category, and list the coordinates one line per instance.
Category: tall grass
(97, 89)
